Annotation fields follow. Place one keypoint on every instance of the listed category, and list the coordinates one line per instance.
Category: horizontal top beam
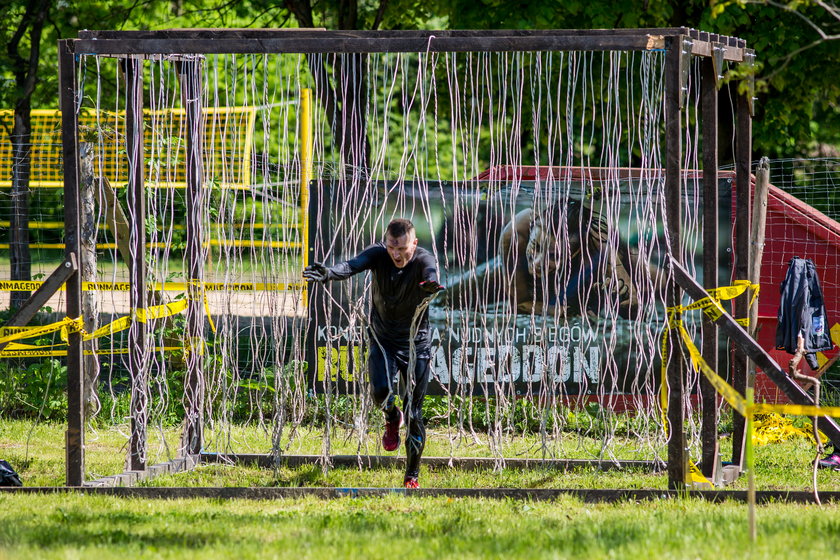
(241, 41)
(249, 33)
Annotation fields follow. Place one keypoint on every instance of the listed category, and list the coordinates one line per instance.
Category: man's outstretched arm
(317, 272)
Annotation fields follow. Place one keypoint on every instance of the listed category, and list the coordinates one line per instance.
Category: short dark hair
(399, 227)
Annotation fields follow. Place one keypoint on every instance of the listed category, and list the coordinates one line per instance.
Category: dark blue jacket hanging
(802, 309)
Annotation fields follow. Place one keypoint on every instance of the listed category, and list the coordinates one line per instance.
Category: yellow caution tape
(66, 325)
(197, 290)
(723, 388)
(775, 428)
(737, 401)
(252, 286)
(19, 285)
(142, 315)
(160, 311)
(694, 478)
(712, 308)
(797, 409)
(209, 315)
(20, 346)
(29, 286)
(737, 288)
(6, 353)
(32, 353)
(4, 331)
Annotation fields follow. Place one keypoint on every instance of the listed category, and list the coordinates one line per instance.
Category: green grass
(88, 526)
(75, 526)
(37, 452)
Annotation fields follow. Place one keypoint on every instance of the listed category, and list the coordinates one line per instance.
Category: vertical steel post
(189, 76)
(138, 357)
(75, 436)
(709, 130)
(673, 203)
(306, 148)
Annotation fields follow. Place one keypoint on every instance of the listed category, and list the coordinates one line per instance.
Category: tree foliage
(799, 97)
(798, 108)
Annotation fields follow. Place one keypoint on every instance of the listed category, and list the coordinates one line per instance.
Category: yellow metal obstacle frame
(228, 137)
(47, 174)
(228, 132)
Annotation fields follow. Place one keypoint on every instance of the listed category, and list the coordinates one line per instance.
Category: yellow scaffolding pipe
(305, 172)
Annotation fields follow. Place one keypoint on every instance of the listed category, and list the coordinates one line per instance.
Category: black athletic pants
(387, 369)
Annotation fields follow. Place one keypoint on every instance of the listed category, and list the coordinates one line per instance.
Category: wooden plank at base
(757, 354)
(464, 463)
(586, 495)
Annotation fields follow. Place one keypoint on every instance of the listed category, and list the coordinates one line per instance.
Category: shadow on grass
(311, 475)
(97, 532)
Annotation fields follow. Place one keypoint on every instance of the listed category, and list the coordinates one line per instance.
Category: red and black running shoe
(831, 462)
(391, 437)
(411, 482)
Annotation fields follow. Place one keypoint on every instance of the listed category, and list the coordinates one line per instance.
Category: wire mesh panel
(802, 221)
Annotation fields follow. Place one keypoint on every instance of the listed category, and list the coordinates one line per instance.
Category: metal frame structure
(679, 45)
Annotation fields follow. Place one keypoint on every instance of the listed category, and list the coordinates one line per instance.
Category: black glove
(317, 272)
(431, 286)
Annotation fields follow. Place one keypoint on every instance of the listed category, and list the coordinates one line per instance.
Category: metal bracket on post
(685, 65)
(749, 60)
(718, 63)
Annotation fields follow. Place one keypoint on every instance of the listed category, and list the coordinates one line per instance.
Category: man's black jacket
(802, 310)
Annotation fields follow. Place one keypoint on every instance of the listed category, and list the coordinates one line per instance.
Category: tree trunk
(351, 75)
(340, 86)
(87, 268)
(341, 89)
(20, 260)
(26, 78)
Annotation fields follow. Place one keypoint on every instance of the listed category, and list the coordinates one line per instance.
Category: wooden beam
(138, 357)
(675, 363)
(743, 154)
(189, 76)
(339, 44)
(75, 437)
(319, 40)
(757, 354)
(706, 49)
(532, 494)
(282, 33)
(268, 461)
(709, 129)
(39, 298)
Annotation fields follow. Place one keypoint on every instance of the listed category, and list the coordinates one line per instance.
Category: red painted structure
(794, 229)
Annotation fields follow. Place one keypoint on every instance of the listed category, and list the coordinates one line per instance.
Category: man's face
(401, 249)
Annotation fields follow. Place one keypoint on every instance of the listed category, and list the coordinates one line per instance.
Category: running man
(404, 281)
